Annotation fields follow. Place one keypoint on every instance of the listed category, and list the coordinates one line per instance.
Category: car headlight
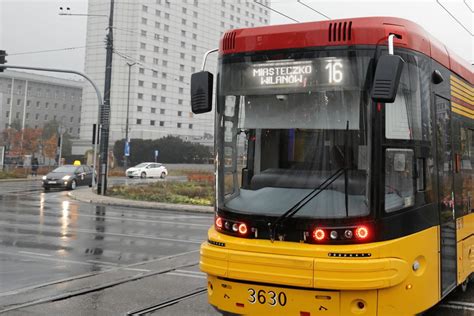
(66, 177)
(44, 178)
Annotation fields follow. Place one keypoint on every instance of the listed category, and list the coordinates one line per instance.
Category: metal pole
(125, 158)
(105, 110)
(11, 104)
(60, 145)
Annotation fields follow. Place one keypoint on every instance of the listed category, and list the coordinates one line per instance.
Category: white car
(147, 170)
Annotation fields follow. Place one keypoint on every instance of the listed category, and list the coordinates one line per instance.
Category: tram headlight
(333, 234)
(348, 233)
(243, 229)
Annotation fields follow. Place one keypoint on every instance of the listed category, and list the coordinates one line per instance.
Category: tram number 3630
(262, 297)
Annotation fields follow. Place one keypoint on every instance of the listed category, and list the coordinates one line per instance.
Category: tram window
(399, 189)
(403, 118)
(467, 169)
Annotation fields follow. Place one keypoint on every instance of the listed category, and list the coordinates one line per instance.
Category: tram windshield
(285, 125)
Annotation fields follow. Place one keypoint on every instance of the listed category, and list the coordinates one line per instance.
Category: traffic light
(3, 54)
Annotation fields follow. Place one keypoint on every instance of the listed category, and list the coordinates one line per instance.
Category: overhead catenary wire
(467, 5)
(53, 50)
(276, 11)
(459, 22)
(313, 9)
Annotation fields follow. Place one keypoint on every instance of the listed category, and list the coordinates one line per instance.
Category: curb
(84, 195)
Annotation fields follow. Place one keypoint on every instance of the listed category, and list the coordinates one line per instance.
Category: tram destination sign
(286, 76)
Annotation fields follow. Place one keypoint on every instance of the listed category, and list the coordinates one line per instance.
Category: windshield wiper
(301, 203)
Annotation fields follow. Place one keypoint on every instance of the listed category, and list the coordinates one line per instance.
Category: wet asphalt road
(63, 257)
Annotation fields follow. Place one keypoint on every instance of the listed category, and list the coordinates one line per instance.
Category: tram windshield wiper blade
(305, 200)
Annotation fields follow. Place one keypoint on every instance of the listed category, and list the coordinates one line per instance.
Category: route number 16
(334, 71)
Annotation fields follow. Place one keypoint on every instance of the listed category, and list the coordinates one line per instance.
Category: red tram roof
(343, 32)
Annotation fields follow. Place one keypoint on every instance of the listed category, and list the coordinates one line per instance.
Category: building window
(152, 123)
(141, 71)
(163, 99)
(143, 33)
(178, 125)
(155, 73)
(183, 44)
(181, 78)
(163, 87)
(144, 8)
(46, 105)
(154, 85)
(165, 51)
(180, 113)
(153, 98)
(27, 115)
(139, 121)
(157, 25)
(181, 67)
(163, 75)
(167, 27)
(157, 36)
(157, 12)
(139, 108)
(183, 33)
(153, 110)
(8, 101)
(18, 102)
(156, 49)
(180, 101)
(70, 120)
(167, 16)
(144, 21)
(183, 21)
(164, 63)
(37, 116)
(155, 61)
(190, 126)
(165, 39)
(162, 111)
(162, 123)
(140, 96)
(64, 106)
(142, 45)
(180, 90)
(140, 83)
(7, 115)
(142, 58)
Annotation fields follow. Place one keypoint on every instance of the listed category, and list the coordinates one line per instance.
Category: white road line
(35, 253)
(190, 272)
(135, 220)
(94, 232)
(459, 307)
(138, 270)
(186, 275)
(460, 303)
(103, 262)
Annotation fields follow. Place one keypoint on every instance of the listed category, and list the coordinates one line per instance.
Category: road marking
(190, 272)
(94, 232)
(459, 307)
(135, 269)
(133, 219)
(103, 262)
(35, 253)
(187, 275)
(461, 303)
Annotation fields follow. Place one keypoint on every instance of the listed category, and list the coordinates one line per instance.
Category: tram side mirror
(387, 77)
(201, 92)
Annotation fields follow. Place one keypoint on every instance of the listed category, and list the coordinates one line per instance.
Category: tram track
(166, 303)
(85, 291)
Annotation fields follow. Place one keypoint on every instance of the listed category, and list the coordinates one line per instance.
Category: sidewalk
(88, 196)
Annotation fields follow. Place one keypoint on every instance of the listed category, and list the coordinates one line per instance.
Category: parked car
(68, 177)
(147, 170)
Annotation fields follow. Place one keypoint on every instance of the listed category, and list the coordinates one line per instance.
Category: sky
(28, 27)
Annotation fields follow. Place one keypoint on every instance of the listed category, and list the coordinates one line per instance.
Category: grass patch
(191, 192)
(11, 175)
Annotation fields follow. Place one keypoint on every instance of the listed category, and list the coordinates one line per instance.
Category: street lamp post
(125, 157)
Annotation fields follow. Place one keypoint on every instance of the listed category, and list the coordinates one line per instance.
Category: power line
(313, 9)
(467, 5)
(455, 18)
(53, 50)
(276, 11)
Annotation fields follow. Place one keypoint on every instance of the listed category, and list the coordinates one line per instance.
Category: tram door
(446, 195)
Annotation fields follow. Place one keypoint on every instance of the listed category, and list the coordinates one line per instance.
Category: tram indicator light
(319, 234)
(219, 222)
(362, 232)
(243, 229)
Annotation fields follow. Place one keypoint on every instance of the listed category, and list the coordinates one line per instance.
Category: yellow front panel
(359, 274)
(289, 270)
(252, 299)
(466, 258)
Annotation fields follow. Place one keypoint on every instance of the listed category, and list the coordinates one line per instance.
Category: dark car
(68, 177)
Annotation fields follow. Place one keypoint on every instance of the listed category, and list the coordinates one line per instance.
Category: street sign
(127, 149)
(156, 155)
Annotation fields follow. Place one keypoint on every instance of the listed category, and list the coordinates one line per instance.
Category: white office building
(162, 42)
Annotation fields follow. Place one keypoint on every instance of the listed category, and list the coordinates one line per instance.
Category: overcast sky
(28, 26)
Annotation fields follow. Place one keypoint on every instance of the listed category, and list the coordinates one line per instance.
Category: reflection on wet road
(46, 236)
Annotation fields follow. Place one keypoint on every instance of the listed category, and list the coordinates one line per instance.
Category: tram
(344, 169)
